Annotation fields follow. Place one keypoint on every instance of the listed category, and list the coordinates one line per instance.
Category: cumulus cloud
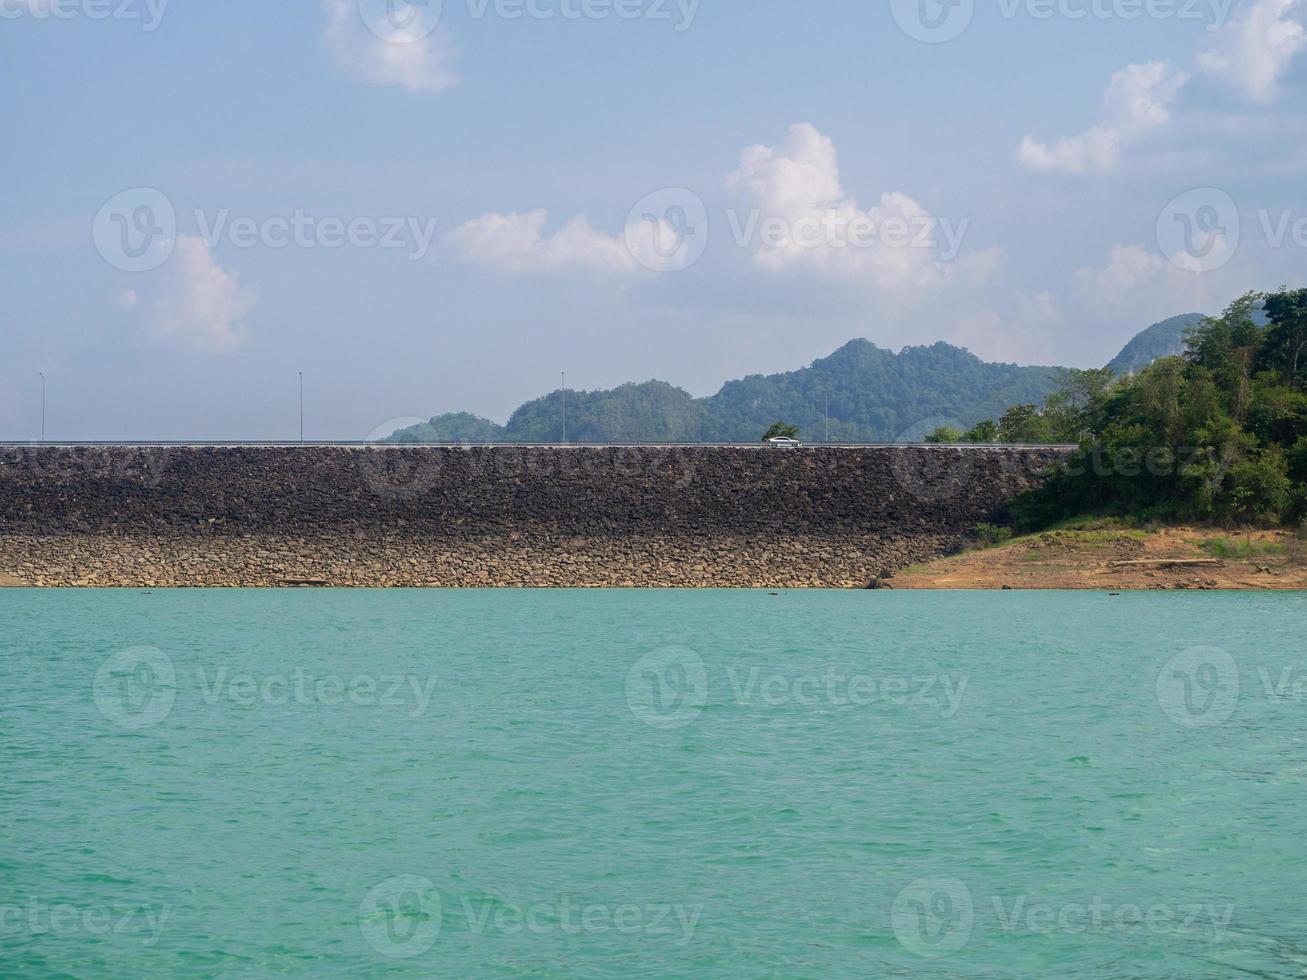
(1137, 101)
(1255, 49)
(404, 52)
(1141, 286)
(517, 243)
(802, 218)
(202, 304)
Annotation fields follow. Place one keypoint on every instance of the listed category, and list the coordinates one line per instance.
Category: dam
(147, 516)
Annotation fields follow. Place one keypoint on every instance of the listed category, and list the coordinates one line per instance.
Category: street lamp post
(301, 408)
(42, 374)
(564, 408)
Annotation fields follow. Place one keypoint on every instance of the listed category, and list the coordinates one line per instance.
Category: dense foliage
(780, 430)
(1217, 434)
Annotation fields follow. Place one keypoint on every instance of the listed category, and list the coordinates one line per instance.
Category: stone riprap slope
(120, 516)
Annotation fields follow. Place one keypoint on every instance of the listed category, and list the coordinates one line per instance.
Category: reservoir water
(681, 784)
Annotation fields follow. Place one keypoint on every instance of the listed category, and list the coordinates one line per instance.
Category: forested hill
(874, 395)
(1165, 339)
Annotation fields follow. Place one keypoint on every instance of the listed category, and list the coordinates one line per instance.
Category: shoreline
(1087, 559)
(379, 560)
(1116, 559)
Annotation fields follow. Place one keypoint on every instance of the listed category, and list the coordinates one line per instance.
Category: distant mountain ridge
(1165, 339)
(873, 394)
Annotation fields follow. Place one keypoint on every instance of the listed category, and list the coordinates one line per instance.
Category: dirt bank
(1119, 559)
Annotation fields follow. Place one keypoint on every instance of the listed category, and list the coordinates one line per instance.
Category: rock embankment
(528, 517)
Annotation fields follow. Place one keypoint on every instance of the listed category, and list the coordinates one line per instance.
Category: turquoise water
(696, 784)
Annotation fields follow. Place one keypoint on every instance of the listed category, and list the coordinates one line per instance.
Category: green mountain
(1165, 339)
(872, 395)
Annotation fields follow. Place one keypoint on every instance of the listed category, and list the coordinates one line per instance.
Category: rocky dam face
(505, 516)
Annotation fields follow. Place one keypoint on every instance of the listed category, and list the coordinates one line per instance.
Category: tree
(1022, 423)
(944, 434)
(1219, 434)
(986, 431)
(1068, 411)
(780, 430)
(1286, 338)
(1260, 489)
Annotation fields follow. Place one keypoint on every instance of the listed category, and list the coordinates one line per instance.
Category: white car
(782, 442)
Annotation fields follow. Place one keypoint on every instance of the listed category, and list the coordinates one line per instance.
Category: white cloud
(202, 304)
(802, 218)
(1144, 286)
(1256, 48)
(1024, 337)
(386, 54)
(516, 243)
(1137, 100)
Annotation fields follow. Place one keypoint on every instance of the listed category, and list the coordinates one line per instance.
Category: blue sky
(689, 191)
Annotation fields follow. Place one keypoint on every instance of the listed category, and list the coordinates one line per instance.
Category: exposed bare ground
(1102, 556)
